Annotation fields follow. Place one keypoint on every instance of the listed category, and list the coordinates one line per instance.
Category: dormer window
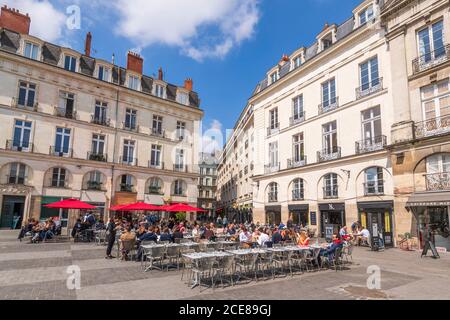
(366, 15)
(273, 77)
(103, 73)
(183, 98)
(31, 50)
(133, 82)
(327, 42)
(70, 63)
(296, 62)
(159, 91)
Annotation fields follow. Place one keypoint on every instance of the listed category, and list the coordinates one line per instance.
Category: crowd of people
(40, 231)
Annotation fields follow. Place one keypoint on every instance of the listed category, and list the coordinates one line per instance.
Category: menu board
(313, 216)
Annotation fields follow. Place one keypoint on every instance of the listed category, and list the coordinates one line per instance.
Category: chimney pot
(188, 84)
(135, 62)
(87, 49)
(160, 74)
(12, 19)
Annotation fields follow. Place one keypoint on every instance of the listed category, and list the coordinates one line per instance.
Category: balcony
(369, 88)
(271, 168)
(14, 145)
(298, 195)
(330, 192)
(329, 154)
(18, 180)
(370, 145)
(100, 121)
(272, 196)
(94, 186)
(158, 133)
(431, 59)
(374, 188)
(156, 190)
(128, 161)
(438, 181)
(296, 163)
(60, 152)
(159, 165)
(328, 106)
(432, 127)
(180, 168)
(297, 119)
(97, 157)
(129, 127)
(16, 103)
(125, 187)
(273, 129)
(64, 113)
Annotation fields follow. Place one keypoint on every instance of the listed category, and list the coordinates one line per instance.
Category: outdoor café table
(241, 252)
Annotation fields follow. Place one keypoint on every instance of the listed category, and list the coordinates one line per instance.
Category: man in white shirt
(263, 237)
(245, 236)
(364, 235)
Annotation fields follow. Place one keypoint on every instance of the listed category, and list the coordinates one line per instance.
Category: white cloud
(201, 28)
(46, 21)
(212, 139)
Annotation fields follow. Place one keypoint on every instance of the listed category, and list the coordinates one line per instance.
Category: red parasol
(140, 206)
(118, 207)
(180, 207)
(70, 204)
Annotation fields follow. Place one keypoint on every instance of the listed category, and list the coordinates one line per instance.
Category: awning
(376, 205)
(273, 208)
(298, 207)
(428, 199)
(332, 207)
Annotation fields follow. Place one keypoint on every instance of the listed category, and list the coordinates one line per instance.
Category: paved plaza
(39, 271)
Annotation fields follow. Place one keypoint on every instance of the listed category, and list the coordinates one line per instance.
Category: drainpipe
(114, 147)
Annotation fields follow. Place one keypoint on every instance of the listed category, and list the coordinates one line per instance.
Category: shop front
(273, 215)
(432, 212)
(332, 219)
(299, 214)
(61, 214)
(376, 216)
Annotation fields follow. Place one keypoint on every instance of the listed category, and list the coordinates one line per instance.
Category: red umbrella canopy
(118, 207)
(180, 207)
(70, 204)
(140, 206)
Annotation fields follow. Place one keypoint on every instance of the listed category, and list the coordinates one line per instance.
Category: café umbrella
(180, 207)
(140, 206)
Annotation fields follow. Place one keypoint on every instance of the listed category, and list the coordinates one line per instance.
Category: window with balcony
(370, 81)
(100, 113)
(273, 165)
(66, 105)
(157, 125)
(330, 149)
(432, 49)
(104, 73)
(181, 128)
(436, 110)
(133, 82)
(31, 50)
(438, 172)
(95, 181)
(22, 134)
(179, 160)
(330, 188)
(70, 63)
(58, 178)
(298, 114)
(329, 99)
(62, 142)
(273, 192)
(373, 139)
(155, 186)
(17, 172)
(298, 152)
(298, 192)
(155, 156)
(98, 148)
(374, 183)
(27, 94)
(128, 152)
(366, 15)
(274, 125)
(130, 119)
(179, 188)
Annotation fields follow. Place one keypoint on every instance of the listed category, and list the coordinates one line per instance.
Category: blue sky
(226, 46)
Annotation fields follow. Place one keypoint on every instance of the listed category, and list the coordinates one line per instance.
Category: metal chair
(100, 237)
(312, 260)
(280, 260)
(187, 264)
(155, 254)
(203, 270)
(246, 265)
(296, 259)
(265, 263)
(128, 249)
(225, 269)
(172, 254)
(347, 252)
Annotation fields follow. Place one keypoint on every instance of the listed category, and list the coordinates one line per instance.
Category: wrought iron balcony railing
(328, 106)
(180, 168)
(369, 88)
(125, 187)
(432, 127)
(130, 127)
(158, 132)
(299, 118)
(431, 59)
(298, 195)
(329, 154)
(330, 192)
(102, 121)
(64, 113)
(271, 168)
(61, 152)
(95, 156)
(18, 103)
(20, 146)
(438, 181)
(58, 183)
(374, 188)
(273, 129)
(370, 145)
(154, 190)
(272, 196)
(94, 185)
(296, 162)
(156, 165)
(128, 161)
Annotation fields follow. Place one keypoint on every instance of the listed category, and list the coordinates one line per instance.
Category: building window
(330, 189)
(157, 125)
(70, 63)
(17, 173)
(371, 125)
(126, 183)
(369, 74)
(329, 94)
(274, 124)
(273, 192)
(431, 42)
(181, 127)
(159, 91)
(183, 98)
(128, 151)
(133, 82)
(103, 73)
(374, 183)
(95, 180)
(273, 154)
(98, 144)
(296, 62)
(27, 93)
(155, 157)
(58, 178)
(130, 119)
(273, 77)
(179, 159)
(298, 113)
(366, 15)
(298, 192)
(62, 141)
(178, 188)
(298, 148)
(100, 112)
(31, 50)
(329, 132)
(22, 133)
(155, 186)
(436, 103)
(438, 172)
(66, 104)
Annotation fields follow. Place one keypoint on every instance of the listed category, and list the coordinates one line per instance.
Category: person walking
(111, 231)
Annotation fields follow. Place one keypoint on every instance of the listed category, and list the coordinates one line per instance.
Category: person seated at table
(230, 230)
(177, 234)
(76, 228)
(126, 236)
(331, 248)
(276, 236)
(26, 229)
(149, 235)
(245, 236)
(285, 234)
(196, 231)
(100, 225)
(165, 235)
(344, 235)
(363, 236)
(263, 237)
(303, 239)
(208, 234)
(141, 230)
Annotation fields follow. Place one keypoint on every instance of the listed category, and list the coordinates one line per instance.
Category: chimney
(160, 74)
(87, 47)
(188, 84)
(13, 20)
(135, 62)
